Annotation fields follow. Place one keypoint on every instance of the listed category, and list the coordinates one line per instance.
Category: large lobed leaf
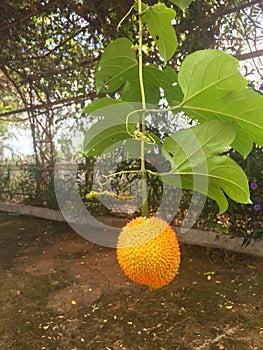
(154, 79)
(111, 129)
(196, 163)
(213, 88)
(117, 62)
(118, 69)
(158, 21)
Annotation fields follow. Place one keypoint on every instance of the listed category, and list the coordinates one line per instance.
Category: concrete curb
(193, 237)
(43, 213)
(223, 241)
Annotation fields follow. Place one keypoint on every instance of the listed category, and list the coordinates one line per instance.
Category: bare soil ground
(59, 291)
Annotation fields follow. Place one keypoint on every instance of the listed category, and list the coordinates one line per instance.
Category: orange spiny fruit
(148, 252)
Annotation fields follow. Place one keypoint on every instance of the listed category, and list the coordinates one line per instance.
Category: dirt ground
(59, 291)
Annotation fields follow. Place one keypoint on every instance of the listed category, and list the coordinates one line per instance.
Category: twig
(228, 11)
(249, 55)
(44, 105)
(33, 13)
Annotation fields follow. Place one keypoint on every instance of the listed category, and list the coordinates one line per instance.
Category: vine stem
(145, 204)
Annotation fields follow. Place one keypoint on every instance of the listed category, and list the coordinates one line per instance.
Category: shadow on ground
(59, 291)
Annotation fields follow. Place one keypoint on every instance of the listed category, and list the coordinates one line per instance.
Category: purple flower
(253, 185)
(261, 87)
(112, 187)
(257, 207)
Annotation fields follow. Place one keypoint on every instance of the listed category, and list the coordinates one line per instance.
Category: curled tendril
(127, 123)
(101, 184)
(95, 194)
(123, 19)
(137, 134)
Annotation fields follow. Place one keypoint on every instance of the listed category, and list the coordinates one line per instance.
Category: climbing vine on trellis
(208, 88)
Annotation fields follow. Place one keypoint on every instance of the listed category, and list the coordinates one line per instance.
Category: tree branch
(44, 106)
(228, 11)
(33, 13)
(16, 120)
(249, 55)
(63, 42)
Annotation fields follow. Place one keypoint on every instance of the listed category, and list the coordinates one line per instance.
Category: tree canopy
(50, 49)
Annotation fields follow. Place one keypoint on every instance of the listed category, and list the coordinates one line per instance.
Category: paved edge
(223, 241)
(192, 236)
(43, 213)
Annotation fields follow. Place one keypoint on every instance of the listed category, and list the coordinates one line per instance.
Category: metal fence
(23, 182)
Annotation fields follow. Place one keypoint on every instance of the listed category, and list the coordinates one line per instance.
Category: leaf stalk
(145, 204)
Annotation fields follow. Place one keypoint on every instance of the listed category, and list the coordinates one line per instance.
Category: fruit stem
(145, 204)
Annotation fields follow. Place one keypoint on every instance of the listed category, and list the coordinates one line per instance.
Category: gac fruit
(148, 252)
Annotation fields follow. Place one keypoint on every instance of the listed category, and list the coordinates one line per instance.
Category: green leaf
(111, 129)
(154, 79)
(209, 71)
(168, 81)
(196, 163)
(242, 143)
(213, 88)
(131, 91)
(116, 62)
(99, 104)
(104, 138)
(182, 4)
(246, 108)
(158, 20)
(117, 71)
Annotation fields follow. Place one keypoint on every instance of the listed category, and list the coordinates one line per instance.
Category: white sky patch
(20, 144)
